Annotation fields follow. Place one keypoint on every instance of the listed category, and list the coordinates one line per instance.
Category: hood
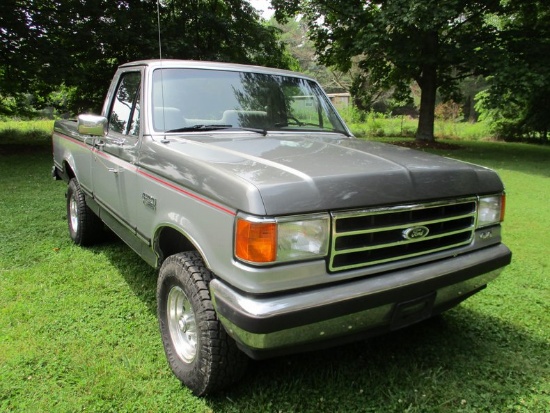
(297, 173)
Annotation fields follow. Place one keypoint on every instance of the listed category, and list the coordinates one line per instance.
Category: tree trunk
(425, 131)
(428, 89)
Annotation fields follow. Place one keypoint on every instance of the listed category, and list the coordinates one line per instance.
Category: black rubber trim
(265, 325)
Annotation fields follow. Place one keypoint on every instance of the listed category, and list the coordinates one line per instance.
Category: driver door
(115, 154)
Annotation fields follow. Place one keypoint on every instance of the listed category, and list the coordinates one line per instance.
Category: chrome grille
(375, 236)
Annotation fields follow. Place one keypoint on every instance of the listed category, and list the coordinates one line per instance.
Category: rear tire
(199, 351)
(84, 226)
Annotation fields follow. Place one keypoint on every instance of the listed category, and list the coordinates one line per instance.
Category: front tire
(199, 351)
(84, 226)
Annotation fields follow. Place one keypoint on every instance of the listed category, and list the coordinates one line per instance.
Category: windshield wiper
(257, 130)
(196, 128)
(200, 128)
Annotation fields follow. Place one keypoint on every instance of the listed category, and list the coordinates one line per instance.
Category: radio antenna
(161, 74)
(158, 26)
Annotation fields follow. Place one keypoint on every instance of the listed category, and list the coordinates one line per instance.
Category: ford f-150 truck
(274, 229)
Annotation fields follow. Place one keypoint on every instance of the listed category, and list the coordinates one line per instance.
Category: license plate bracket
(410, 312)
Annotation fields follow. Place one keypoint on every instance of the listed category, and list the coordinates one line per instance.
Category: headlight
(283, 239)
(490, 210)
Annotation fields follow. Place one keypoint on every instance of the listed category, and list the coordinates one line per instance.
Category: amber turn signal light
(256, 242)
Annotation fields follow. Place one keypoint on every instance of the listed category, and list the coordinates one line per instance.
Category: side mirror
(92, 125)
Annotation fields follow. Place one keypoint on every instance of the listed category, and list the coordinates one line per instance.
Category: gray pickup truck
(273, 228)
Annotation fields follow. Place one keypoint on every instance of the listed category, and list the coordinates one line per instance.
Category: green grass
(78, 329)
(18, 132)
(378, 126)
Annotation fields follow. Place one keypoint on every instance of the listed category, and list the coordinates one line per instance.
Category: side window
(124, 114)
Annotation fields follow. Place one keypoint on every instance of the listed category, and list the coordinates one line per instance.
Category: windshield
(192, 99)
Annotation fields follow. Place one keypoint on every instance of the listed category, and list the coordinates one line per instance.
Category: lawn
(78, 329)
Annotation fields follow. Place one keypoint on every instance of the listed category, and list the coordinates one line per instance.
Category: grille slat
(377, 229)
(368, 237)
(392, 244)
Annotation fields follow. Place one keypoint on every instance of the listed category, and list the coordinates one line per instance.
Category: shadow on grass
(520, 157)
(461, 361)
(139, 276)
(18, 142)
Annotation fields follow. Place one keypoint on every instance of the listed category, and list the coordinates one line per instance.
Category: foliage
(469, 88)
(220, 31)
(76, 45)
(518, 99)
(433, 43)
(293, 33)
(78, 330)
(449, 110)
(376, 125)
(26, 133)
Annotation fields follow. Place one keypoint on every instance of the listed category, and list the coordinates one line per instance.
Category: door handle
(119, 142)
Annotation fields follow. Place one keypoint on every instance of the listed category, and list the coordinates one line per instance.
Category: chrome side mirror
(92, 125)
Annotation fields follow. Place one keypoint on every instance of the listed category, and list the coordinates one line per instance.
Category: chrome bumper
(286, 323)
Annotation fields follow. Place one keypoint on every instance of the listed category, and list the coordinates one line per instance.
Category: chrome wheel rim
(73, 213)
(182, 324)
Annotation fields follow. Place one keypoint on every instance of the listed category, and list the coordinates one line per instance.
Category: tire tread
(90, 226)
(222, 363)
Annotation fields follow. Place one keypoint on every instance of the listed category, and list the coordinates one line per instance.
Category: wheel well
(67, 171)
(170, 241)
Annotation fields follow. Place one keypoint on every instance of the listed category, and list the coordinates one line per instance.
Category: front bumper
(264, 326)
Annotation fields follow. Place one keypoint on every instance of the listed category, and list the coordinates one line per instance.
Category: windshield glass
(184, 99)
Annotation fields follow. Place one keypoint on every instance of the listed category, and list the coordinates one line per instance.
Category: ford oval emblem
(415, 232)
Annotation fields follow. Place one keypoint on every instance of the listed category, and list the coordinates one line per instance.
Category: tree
(294, 33)
(435, 43)
(294, 36)
(219, 30)
(517, 101)
(24, 51)
(48, 44)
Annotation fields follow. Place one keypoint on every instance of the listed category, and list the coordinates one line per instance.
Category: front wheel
(199, 351)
